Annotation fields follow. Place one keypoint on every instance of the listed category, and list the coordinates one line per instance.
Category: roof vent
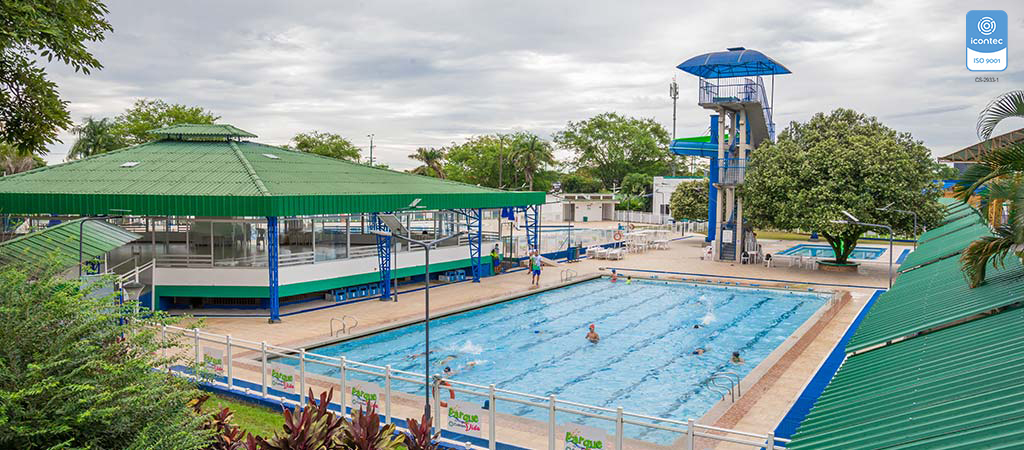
(735, 49)
(130, 164)
(268, 155)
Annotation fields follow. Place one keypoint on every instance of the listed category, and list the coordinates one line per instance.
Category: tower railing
(737, 90)
(731, 171)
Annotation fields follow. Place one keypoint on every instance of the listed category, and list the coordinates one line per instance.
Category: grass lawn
(252, 418)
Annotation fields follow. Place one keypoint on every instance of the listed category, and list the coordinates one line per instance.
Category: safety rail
(184, 261)
(749, 90)
(133, 274)
(221, 372)
(567, 275)
(732, 389)
(731, 171)
(345, 329)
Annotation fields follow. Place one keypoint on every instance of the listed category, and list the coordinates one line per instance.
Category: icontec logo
(986, 40)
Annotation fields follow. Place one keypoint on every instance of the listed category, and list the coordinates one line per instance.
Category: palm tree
(432, 159)
(95, 137)
(530, 155)
(12, 162)
(1001, 174)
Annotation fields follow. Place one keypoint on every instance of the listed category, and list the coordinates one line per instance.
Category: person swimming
(615, 276)
(700, 351)
(736, 359)
(446, 360)
(697, 326)
(629, 279)
(592, 336)
(417, 355)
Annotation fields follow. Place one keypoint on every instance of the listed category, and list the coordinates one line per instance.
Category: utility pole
(371, 148)
(501, 162)
(673, 92)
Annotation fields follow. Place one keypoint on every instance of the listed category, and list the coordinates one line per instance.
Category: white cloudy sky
(425, 73)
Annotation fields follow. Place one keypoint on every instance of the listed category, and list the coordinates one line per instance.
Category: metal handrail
(345, 329)
(728, 373)
(714, 381)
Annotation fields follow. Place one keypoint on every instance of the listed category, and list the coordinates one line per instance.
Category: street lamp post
(426, 245)
(371, 148)
(886, 208)
(854, 221)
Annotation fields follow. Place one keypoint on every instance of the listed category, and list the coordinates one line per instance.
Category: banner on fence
(464, 417)
(213, 362)
(282, 378)
(362, 393)
(581, 437)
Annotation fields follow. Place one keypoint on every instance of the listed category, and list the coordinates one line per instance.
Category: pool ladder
(345, 328)
(716, 383)
(568, 275)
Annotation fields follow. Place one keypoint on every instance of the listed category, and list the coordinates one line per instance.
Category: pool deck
(759, 409)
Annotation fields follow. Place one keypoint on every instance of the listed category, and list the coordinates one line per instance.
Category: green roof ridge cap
(249, 169)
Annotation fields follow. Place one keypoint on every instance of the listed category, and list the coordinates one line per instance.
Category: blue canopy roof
(734, 62)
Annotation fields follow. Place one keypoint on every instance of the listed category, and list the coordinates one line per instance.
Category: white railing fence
(270, 372)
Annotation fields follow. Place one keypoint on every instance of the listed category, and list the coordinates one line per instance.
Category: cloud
(429, 73)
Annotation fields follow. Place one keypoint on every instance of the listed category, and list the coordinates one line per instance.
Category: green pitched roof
(944, 247)
(229, 178)
(954, 388)
(185, 131)
(936, 295)
(955, 225)
(61, 242)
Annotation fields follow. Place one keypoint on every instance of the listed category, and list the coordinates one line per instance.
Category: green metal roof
(944, 247)
(61, 242)
(936, 295)
(229, 178)
(947, 201)
(184, 131)
(949, 227)
(954, 388)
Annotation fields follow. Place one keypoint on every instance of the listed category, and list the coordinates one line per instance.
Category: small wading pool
(644, 361)
(825, 251)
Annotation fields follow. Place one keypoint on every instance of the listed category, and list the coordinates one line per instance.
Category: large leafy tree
(134, 124)
(326, 144)
(611, 146)
(842, 161)
(31, 111)
(432, 159)
(505, 161)
(95, 137)
(690, 200)
(76, 369)
(580, 183)
(636, 190)
(999, 178)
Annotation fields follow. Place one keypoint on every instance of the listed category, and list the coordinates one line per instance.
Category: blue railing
(735, 90)
(731, 171)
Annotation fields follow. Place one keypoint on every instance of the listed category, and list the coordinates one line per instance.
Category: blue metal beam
(272, 265)
(383, 257)
(532, 219)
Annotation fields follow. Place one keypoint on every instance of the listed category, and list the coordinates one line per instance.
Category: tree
(531, 154)
(31, 111)
(77, 369)
(843, 161)
(12, 161)
(999, 177)
(639, 186)
(134, 124)
(432, 159)
(95, 137)
(577, 183)
(689, 200)
(326, 144)
(947, 172)
(611, 146)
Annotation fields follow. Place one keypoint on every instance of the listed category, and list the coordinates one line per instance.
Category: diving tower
(731, 85)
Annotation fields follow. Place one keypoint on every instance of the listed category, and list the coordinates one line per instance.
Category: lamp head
(847, 214)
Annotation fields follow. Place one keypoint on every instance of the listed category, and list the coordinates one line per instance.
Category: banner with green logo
(282, 378)
(580, 437)
(464, 417)
(362, 393)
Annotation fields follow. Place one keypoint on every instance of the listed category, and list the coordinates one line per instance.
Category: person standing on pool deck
(535, 268)
(592, 335)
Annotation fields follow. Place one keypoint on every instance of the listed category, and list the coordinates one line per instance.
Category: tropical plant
(530, 155)
(690, 200)
(612, 146)
(226, 435)
(95, 137)
(640, 186)
(364, 432)
(12, 161)
(76, 368)
(1010, 104)
(134, 124)
(419, 436)
(326, 144)
(31, 110)
(312, 427)
(842, 161)
(432, 159)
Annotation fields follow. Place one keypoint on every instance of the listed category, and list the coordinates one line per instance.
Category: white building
(578, 208)
(662, 193)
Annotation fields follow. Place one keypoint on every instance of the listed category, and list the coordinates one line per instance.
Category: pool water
(643, 362)
(825, 251)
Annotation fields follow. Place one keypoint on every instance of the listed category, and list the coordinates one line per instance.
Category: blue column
(532, 215)
(383, 257)
(712, 190)
(475, 219)
(272, 260)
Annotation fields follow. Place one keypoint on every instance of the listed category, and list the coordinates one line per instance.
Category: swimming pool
(644, 361)
(825, 251)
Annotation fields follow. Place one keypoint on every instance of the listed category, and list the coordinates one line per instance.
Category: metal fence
(256, 368)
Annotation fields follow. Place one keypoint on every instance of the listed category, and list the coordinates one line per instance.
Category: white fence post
(163, 351)
(689, 434)
(551, 422)
(437, 402)
(302, 378)
(387, 394)
(618, 429)
(263, 367)
(199, 353)
(342, 380)
(491, 417)
(771, 441)
(227, 358)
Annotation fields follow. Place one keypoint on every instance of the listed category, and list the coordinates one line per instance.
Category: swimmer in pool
(615, 276)
(699, 351)
(446, 359)
(736, 359)
(629, 279)
(697, 326)
(417, 355)
(592, 336)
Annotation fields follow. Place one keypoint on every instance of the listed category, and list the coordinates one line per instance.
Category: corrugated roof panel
(936, 295)
(955, 388)
(61, 242)
(956, 225)
(944, 247)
